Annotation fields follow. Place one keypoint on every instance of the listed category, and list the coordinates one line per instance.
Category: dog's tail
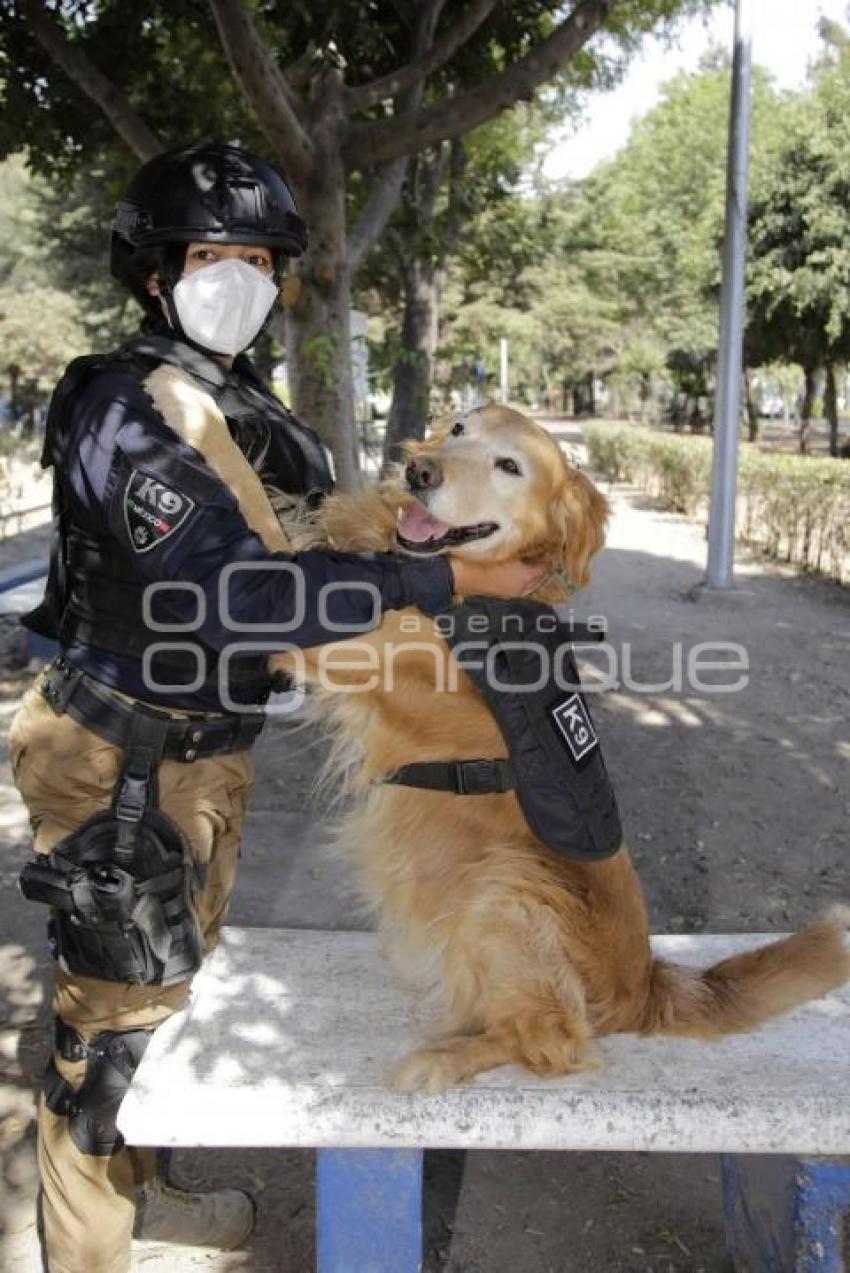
(748, 989)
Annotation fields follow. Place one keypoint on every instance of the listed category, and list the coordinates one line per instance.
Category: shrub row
(795, 508)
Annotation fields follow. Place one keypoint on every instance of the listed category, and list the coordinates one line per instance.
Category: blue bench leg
(787, 1215)
(369, 1210)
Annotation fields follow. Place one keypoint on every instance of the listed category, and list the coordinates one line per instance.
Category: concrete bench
(289, 1032)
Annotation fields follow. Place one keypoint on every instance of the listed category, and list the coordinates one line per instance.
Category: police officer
(132, 751)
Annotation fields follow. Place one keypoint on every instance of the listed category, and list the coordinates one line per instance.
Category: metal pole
(721, 521)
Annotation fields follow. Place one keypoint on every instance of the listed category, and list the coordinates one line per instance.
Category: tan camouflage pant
(65, 774)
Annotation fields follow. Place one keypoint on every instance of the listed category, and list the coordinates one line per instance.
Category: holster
(120, 885)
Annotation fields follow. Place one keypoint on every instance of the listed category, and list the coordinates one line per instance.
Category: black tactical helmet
(206, 193)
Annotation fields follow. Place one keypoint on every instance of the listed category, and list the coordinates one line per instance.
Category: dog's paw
(428, 1070)
(839, 915)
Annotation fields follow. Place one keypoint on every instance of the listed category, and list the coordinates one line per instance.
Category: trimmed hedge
(795, 508)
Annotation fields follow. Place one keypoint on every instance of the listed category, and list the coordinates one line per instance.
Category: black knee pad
(112, 1058)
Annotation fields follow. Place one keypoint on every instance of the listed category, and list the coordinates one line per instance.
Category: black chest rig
(287, 457)
(94, 592)
(519, 656)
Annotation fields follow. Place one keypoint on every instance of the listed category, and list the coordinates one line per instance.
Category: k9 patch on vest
(572, 721)
(152, 510)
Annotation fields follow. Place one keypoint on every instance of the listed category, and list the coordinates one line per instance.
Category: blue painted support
(21, 589)
(22, 572)
(787, 1215)
(369, 1210)
(39, 647)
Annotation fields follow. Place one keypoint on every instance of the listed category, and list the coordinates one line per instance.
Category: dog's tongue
(418, 526)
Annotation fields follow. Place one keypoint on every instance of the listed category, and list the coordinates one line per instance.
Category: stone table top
(288, 1034)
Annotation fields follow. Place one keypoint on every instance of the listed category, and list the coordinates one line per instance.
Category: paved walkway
(736, 806)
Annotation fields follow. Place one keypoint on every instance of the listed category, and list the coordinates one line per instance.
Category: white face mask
(223, 306)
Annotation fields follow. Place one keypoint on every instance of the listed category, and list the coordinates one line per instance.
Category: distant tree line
(614, 281)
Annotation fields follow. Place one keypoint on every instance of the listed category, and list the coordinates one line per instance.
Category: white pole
(721, 521)
(503, 360)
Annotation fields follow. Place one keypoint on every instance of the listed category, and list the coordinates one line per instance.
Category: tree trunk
(421, 248)
(14, 380)
(584, 395)
(645, 395)
(318, 362)
(412, 373)
(697, 419)
(810, 379)
(830, 408)
(318, 312)
(752, 412)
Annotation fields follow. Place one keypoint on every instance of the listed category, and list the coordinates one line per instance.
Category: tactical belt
(67, 689)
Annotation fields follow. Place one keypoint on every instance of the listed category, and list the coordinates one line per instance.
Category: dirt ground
(736, 808)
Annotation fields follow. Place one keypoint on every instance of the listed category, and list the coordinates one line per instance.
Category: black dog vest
(519, 656)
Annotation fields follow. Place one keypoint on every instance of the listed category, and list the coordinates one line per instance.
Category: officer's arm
(177, 522)
(300, 599)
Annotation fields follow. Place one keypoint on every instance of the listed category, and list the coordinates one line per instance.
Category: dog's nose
(423, 474)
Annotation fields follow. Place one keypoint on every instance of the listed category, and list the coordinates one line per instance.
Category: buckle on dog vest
(481, 777)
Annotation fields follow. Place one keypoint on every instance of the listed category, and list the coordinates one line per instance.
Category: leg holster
(112, 1058)
(120, 886)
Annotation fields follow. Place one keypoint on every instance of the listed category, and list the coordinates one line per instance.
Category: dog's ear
(438, 431)
(580, 514)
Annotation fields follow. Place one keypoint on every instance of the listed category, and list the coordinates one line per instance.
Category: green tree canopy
(40, 332)
(625, 284)
(327, 90)
(799, 267)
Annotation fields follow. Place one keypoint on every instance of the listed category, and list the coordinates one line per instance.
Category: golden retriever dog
(531, 956)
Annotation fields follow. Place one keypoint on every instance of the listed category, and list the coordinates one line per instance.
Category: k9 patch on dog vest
(572, 720)
(519, 656)
(152, 510)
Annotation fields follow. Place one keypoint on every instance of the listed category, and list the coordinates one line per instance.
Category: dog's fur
(532, 955)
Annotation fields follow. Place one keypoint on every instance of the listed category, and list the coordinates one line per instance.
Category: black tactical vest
(519, 656)
(94, 591)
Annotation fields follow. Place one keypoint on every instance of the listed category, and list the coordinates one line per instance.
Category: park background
(565, 253)
(550, 176)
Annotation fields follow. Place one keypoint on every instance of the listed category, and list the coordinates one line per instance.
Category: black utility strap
(59, 1095)
(136, 789)
(463, 777)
